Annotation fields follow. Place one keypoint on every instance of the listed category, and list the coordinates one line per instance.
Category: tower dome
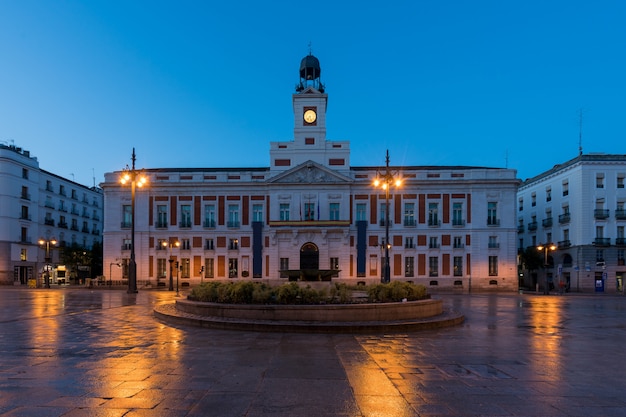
(310, 68)
(310, 72)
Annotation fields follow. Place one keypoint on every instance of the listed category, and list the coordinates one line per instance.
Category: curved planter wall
(316, 313)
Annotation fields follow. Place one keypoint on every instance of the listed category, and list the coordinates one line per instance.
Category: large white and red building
(451, 227)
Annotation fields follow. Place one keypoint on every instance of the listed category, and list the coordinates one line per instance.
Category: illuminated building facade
(580, 207)
(38, 205)
(311, 215)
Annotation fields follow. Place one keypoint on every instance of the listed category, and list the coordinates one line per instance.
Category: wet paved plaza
(81, 352)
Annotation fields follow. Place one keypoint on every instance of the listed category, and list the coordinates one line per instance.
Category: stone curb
(169, 314)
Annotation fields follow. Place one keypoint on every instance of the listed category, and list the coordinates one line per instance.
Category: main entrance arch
(309, 256)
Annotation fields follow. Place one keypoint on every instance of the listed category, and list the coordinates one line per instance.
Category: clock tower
(309, 133)
(309, 104)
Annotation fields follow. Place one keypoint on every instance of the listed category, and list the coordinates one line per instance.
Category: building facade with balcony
(580, 207)
(36, 204)
(311, 215)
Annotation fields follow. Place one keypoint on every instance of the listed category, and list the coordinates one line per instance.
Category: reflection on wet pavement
(101, 352)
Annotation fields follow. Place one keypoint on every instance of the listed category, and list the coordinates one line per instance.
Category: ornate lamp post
(171, 260)
(47, 243)
(545, 248)
(385, 180)
(130, 175)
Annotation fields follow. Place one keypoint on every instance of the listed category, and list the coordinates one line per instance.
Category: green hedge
(249, 292)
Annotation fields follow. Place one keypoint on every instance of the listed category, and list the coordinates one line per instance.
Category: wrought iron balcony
(409, 222)
(458, 222)
(564, 244)
(601, 213)
(492, 221)
(520, 228)
(48, 222)
(209, 223)
(620, 241)
(620, 214)
(434, 222)
(161, 224)
(602, 241)
(547, 222)
(532, 226)
(493, 245)
(564, 218)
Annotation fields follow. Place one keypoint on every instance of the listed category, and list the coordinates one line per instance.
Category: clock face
(310, 116)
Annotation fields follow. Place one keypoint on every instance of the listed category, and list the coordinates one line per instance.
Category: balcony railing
(493, 245)
(185, 224)
(458, 222)
(62, 225)
(232, 224)
(564, 244)
(532, 226)
(126, 225)
(48, 222)
(564, 218)
(602, 241)
(601, 213)
(520, 228)
(209, 223)
(409, 222)
(492, 221)
(382, 222)
(434, 222)
(161, 224)
(458, 246)
(620, 241)
(547, 222)
(620, 214)
(126, 246)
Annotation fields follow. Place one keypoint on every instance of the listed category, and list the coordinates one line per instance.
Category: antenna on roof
(93, 173)
(580, 132)
(506, 159)
(72, 174)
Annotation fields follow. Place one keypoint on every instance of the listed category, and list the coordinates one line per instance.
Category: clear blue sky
(209, 83)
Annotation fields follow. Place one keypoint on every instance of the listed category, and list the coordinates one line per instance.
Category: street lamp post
(546, 248)
(47, 243)
(177, 278)
(136, 180)
(385, 181)
(170, 260)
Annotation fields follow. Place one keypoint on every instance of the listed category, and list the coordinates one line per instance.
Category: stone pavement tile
(77, 402)
(97, 412)
(316, 396)
(36, 411)
(133, 402)
(222, 404)
(385, 406)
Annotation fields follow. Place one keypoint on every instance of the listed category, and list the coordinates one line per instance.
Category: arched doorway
(309, 256)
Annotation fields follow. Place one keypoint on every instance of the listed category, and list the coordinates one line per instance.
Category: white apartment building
(311, 215)
(578, 206)
(39, 205)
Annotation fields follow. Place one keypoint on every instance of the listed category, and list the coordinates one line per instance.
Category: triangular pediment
(310, 90)
(310, 172)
